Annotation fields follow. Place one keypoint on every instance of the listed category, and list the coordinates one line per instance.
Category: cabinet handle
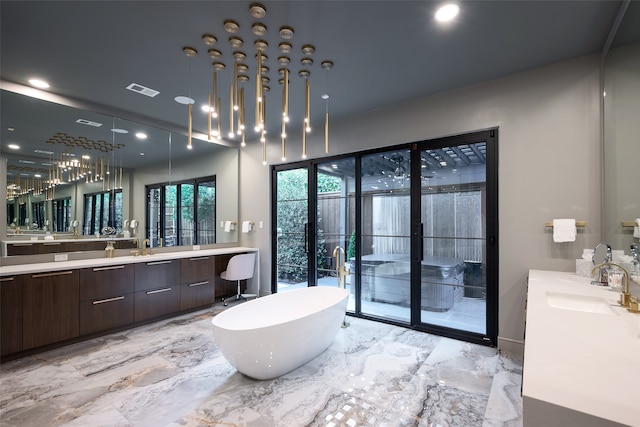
(158, 262)
(102, 301)
(115, 267)
(6, 279)
(198, 284)
(198, 259)
(20, 244)
(158, 291)
(51, 244)
(57, 273)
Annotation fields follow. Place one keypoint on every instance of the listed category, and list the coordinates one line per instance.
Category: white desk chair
(240, 267)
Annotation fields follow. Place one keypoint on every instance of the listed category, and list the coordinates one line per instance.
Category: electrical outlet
(196, 247)
(61, 257)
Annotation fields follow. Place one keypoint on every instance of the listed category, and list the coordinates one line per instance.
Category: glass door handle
(418, 233)
(306, 237)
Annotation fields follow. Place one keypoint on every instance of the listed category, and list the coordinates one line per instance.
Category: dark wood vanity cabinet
(157, 289)
(50, 307)
(79, 245)
(106, 297)
(11, 314)
(48, 247)
(197, 286)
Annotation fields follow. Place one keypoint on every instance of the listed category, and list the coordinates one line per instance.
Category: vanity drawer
(22, 249)
(50, 307)
(196, 269)
(197, 294)
(51, 247)
(102, 314)
(105, 282)
(157, 302)
(82, 245)
(156, 274)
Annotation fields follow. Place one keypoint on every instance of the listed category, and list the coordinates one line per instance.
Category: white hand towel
(636, 229)
(564, 230)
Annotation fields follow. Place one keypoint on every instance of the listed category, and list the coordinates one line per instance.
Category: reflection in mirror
(96, 160)
(621, 130)
(601, 254)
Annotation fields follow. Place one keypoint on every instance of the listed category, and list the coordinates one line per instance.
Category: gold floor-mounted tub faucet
(341, 270)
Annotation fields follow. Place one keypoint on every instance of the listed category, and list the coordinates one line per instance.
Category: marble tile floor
(170, 373)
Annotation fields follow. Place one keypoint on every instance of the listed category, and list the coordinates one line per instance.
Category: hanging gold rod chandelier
(230, 121)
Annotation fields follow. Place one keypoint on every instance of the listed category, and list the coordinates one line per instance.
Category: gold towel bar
(629, 223)
(578, 224)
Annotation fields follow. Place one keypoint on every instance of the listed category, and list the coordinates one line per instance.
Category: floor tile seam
(442, 383)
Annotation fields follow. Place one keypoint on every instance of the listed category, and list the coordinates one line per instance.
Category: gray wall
(223, 164)
(549, 166)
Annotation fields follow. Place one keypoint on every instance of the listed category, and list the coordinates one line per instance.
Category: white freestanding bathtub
(270, 336)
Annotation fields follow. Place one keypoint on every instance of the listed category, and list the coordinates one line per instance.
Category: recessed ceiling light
(86, 157)
(40, 84)
(10, 129)
(447, 12)
(28, 162)
(142, 154)
(37, 175)
(141, 135)
(117, 130)
(184, 100)
(43, 152)
(14, 146)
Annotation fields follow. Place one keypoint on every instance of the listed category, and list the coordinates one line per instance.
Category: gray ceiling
(385, 52)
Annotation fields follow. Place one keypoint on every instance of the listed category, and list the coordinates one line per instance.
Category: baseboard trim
(511, 345)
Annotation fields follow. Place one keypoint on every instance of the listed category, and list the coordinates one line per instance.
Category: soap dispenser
(109, 249)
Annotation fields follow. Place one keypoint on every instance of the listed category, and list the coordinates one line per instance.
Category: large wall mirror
(111, 161)
(622, 132)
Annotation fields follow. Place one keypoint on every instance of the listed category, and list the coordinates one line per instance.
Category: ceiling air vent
(135, 87)
(88, 123)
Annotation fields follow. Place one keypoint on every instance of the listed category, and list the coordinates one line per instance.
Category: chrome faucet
(625, 297)
(634, 253)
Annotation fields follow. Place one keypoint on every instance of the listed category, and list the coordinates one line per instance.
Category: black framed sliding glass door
(291, 238)
(416, 225)
(455, 216)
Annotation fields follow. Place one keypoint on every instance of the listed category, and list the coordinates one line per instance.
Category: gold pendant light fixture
(188, 100)
(238, 75)
(326, 65)
(69, 162)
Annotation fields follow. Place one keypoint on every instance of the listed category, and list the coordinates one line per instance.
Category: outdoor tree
(292, 213)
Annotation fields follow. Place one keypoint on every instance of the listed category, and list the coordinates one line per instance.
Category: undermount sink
(582, 303)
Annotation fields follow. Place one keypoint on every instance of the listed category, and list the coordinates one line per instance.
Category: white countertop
(585, 361)
(99, 262)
